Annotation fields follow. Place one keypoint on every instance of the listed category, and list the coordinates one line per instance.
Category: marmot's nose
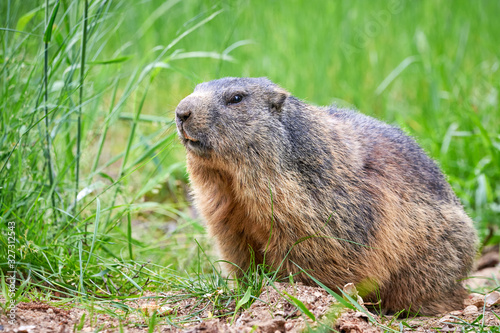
(183, 114)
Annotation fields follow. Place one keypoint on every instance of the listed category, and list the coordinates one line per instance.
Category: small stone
(50, 311)
(25, 329)
(492, 298)
(471, 309)
(279, 313)
(446, 319)
(475, 299)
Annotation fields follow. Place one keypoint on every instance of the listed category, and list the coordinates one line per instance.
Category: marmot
(344, 196)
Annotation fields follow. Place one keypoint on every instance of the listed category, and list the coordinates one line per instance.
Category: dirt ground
(273, 313)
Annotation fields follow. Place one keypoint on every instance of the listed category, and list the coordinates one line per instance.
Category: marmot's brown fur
(342, 195)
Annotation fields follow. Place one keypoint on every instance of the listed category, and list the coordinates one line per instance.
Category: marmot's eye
(235, 99)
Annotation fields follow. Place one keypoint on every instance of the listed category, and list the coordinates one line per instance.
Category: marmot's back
(340, 194)
(401, 155)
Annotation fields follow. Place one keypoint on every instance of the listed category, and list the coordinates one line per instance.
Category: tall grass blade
(188, 31)
(129, 236)
(79, 123)
(96, 228)
(82, 272)
(395, 73)
(47, 36)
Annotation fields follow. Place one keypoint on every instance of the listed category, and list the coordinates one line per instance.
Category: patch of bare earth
(271, 313)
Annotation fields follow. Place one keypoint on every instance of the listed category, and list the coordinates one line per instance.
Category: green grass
(69, 150)
(87, 100)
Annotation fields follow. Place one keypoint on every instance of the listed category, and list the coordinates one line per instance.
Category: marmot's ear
(277, 98)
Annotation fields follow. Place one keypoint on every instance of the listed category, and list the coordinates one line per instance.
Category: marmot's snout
(189, 120)
(183, 115)
(183, 118)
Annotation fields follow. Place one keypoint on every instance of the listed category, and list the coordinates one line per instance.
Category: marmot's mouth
(187, 137)
(196, 146)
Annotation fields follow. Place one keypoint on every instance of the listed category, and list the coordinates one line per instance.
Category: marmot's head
(231, 118)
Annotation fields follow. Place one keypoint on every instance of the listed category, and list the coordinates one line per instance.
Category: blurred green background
(430, 67)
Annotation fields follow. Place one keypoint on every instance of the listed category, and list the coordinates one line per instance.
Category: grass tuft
(64, 90)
